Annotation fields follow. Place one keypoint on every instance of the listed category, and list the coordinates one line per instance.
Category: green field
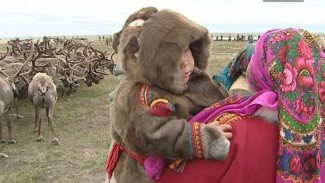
(82, 125)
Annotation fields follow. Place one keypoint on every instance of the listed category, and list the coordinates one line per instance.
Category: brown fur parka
(149, 54)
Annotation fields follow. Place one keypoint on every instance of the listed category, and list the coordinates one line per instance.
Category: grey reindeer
(6, 101)
(42, 93)
(7, 92)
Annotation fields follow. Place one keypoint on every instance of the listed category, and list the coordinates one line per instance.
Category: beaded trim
(147, 102)
(178, 165)
(195, 140)
(229, 118)
(156, 102)
(146, 95)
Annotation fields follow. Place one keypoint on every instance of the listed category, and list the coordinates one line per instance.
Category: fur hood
(150, 48)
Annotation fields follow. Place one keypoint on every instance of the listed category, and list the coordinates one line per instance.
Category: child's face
(187, 64)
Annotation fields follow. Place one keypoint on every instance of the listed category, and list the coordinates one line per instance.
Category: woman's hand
(225, 128)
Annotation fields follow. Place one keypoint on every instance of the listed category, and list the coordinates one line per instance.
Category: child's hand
(225, 128)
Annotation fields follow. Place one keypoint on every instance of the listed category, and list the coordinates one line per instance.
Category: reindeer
(11, 64)
(42, 93)
(7, 93)
(6, 101)
(20, 83)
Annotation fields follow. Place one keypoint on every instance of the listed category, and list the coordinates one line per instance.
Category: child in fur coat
(164, 56)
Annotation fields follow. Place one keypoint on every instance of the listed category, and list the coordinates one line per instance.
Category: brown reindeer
(42, 93)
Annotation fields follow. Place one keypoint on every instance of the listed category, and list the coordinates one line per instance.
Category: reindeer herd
(43, 70)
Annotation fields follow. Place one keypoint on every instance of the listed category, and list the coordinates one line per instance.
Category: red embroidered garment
(253, 142)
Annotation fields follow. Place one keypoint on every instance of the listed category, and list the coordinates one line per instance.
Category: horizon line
(91, 35)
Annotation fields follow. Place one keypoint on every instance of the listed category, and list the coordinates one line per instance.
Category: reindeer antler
(29, 58)
(3, 73)
(4, 56)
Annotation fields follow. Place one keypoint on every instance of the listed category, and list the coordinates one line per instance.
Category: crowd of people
(239, 38)
(108, 40)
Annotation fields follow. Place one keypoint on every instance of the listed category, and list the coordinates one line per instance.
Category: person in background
(236, 71)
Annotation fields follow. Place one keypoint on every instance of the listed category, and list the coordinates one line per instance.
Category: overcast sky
(23, 18)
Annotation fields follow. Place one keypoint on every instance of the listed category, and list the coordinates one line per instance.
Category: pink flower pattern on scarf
(293, 67)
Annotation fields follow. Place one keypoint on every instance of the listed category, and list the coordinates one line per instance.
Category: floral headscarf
(287, 70)
(291, 64)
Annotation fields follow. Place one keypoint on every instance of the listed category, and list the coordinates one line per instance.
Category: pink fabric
(244, 108)
(155, 166)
